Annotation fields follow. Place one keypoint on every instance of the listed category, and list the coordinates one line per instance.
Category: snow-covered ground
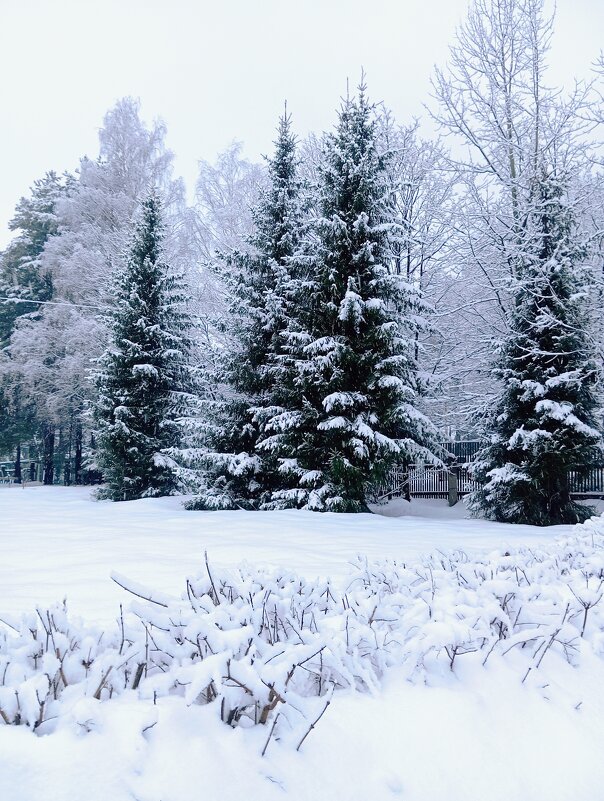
(477, 734)
(57, 542)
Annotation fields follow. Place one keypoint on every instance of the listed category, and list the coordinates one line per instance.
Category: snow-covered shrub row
(269, 647)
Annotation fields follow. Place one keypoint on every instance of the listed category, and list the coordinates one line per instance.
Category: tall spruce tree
(144, 377)
(546, 421)
(347, 381)
(234, 473)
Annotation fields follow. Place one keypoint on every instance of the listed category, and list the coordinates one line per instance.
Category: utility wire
(52, 303)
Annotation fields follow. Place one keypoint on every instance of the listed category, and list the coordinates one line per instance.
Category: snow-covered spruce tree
(348, 380)
(144, 377)
(546, 420)
(233, 473)
(497, 102)
(54, 348)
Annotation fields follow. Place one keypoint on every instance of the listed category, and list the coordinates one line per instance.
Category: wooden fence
(418, 481)
(430, 482)
(587, 483)
(463, 451)
(30, 471)
(426, 482)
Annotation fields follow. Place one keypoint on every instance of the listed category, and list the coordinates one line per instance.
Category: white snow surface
(58, 542)
(477, 734)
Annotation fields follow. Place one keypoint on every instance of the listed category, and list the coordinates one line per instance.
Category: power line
(53, 303)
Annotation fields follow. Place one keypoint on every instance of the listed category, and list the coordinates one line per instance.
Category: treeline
(359, 299)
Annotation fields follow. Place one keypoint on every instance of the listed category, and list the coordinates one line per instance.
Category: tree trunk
(59, 453)
(77, 465)
(18, 464)
(48, 458)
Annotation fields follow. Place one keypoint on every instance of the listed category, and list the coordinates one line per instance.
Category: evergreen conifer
(347, 384)
(546, 421)
(144, 378)
(234, 473)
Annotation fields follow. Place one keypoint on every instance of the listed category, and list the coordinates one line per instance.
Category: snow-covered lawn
(57, 542)
(475, 733)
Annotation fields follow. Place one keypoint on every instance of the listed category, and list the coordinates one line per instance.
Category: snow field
(456, 675)
(56, 542)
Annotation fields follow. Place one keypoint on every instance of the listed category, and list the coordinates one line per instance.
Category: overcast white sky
(218, 71)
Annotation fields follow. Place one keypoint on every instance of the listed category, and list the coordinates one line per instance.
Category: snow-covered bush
(48, 662)
(269, 647)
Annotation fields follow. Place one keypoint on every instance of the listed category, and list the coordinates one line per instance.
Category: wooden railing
(588, 482)
(426, 482)
(31, 470)
(432, 482)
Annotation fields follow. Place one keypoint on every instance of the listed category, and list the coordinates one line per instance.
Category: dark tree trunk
(18, 465)
(59, 454)
(77, 465)
(48, 458)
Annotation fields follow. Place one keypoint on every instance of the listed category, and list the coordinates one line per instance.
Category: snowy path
(57, 542)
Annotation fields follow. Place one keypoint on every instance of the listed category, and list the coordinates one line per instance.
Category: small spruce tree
(546, 421)
(144, 378)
